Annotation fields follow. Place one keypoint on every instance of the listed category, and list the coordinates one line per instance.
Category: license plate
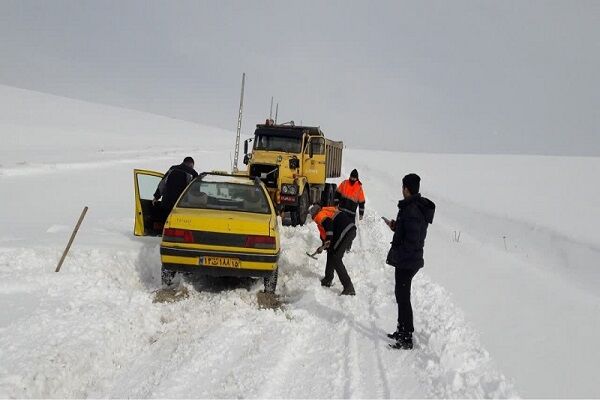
(287, 199)
(219, 262)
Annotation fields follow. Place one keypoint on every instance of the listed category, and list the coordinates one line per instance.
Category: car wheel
(270, 281)
(166, 276)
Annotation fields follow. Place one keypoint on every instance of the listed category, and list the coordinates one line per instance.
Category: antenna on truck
(239, 126)
(271, 110)
(276, 112)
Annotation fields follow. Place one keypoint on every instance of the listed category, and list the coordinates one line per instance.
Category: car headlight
(284, 189)
(293, 190)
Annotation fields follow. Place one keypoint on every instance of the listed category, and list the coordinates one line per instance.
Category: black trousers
(335, 260)
(405, 314)
(353, 218)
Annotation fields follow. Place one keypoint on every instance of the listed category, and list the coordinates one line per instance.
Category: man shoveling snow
(337, 232)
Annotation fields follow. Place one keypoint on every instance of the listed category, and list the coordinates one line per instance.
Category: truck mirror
(245, 148)
(246, 159)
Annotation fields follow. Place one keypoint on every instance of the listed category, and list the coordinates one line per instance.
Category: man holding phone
(415, 213)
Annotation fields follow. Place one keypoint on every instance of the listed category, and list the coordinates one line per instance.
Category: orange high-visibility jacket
(324, 220)
(351, 196)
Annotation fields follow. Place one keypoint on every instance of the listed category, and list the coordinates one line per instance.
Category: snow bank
(483, 309)
(39, 130)
(524, 268)
(94, 331)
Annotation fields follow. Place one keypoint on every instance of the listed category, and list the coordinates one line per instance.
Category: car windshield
(278, 143)
(225, 196)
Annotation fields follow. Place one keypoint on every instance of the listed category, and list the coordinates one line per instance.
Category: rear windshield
(225, 196)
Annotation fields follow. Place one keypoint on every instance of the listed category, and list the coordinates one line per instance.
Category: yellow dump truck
(294, 163)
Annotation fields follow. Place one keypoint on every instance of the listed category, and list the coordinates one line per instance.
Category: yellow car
(221, 225)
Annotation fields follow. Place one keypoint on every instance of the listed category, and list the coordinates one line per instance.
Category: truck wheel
(328, 194)
(270, 281)
(303, 207)
(294, 218)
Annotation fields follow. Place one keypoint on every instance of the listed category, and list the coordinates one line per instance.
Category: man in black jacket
(415, 213)
(173, 183)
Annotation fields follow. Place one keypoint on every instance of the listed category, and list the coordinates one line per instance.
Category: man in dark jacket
(415, 213)
(337, 231)
(173, 183)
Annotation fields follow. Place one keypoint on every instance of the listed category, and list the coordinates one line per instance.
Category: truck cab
(294, 163)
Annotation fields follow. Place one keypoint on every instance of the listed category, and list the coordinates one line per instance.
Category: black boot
(348, 291)
(395, 335)
(325, 282)
(403, 341)
(400, 329)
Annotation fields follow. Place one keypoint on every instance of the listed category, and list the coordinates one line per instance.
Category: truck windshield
(278, 143)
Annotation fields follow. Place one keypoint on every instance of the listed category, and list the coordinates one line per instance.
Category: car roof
(225, 178)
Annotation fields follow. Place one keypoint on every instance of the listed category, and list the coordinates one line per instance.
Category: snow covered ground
(525, 269)
(510, 309)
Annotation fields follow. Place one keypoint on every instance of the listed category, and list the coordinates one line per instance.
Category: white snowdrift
(525, 269)
(93, 331)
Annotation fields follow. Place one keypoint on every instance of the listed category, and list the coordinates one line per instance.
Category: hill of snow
(511, 308)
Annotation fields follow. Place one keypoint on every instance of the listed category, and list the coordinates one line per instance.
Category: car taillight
(178, 235)
(260, 242)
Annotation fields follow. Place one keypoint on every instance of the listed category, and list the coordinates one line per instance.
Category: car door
(314, 168)
(147, 216)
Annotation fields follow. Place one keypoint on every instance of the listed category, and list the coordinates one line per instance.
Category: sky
(422, 76)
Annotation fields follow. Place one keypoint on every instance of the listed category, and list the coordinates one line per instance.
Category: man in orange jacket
(337, 231)
(350, 196)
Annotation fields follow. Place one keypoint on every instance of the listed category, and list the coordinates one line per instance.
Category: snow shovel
(319, 250)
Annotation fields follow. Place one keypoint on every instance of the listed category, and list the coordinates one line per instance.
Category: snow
(525, 280)
(491, 321)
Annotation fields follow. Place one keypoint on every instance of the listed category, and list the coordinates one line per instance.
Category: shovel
(319, 250)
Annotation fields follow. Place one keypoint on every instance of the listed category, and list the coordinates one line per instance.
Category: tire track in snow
(316, 351)
(284, 366)
(441, 334)
(372, 361)
(355, 348)
(164, 355)
(351, 369)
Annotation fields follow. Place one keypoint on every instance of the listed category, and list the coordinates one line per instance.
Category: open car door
(149, 218)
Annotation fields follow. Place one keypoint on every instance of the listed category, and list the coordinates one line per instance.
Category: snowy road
(92, 330)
